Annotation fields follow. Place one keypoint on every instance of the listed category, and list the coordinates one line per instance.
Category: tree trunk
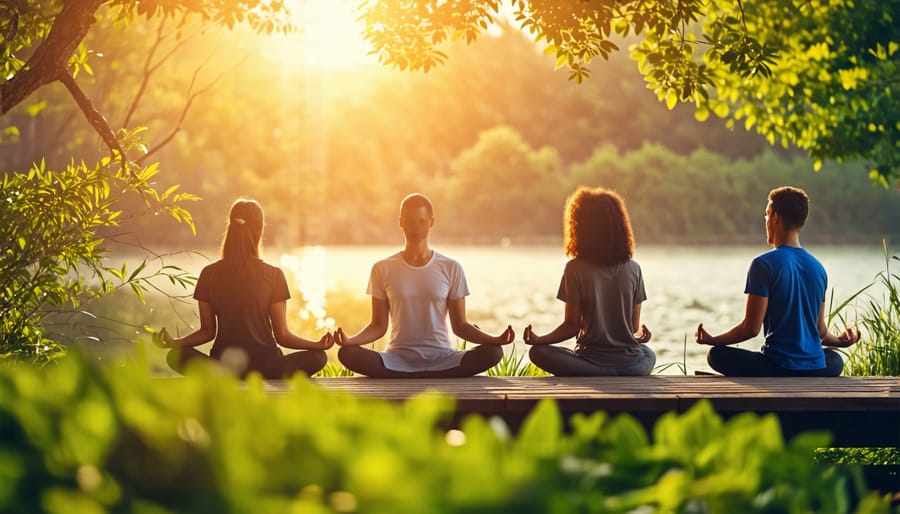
(51, 58)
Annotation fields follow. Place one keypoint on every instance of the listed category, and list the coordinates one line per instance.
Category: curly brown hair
(597, 227)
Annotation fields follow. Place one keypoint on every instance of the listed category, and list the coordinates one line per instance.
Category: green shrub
(53, 252)
(76, 437)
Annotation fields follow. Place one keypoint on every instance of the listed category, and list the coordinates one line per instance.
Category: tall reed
(878, 318)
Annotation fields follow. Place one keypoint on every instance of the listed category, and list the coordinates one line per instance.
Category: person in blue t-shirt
(786, 297)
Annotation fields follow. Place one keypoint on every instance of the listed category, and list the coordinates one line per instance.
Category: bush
(53, 253)
(76, 437)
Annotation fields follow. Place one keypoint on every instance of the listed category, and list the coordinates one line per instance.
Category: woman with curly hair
(242, 302)
(603, 288)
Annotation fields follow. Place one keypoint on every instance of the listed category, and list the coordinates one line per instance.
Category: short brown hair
(791, 204)
(597, 227)
(416, 200)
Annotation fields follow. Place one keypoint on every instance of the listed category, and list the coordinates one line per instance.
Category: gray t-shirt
(606, 296)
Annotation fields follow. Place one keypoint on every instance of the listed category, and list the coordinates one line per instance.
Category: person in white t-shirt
(414, 291)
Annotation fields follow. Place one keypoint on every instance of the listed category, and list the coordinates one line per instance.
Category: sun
(329, 36)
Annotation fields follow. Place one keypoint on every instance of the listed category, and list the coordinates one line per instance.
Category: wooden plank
(850, 393)
(840, 404)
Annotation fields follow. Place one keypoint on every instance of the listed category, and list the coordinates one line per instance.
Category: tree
(821, 75)
(502, 187)
(51, 34)
(51, 222)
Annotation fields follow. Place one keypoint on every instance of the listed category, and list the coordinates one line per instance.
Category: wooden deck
(859, 411)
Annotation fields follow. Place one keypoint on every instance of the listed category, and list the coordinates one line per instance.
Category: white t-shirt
(418, 299)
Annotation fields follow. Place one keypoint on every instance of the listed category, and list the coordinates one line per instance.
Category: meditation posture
(603, 288)
(415, 289)
(245, 299)
(786, 296)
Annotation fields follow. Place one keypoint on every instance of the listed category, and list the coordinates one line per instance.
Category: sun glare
(328, 37)
(310, 269)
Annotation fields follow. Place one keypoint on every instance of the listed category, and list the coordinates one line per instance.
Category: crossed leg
(369, 363)
(563, 362)
(738, 362)
(307, 361)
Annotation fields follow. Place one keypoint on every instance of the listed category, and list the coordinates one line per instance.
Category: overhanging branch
(97, 121)
(51, 58)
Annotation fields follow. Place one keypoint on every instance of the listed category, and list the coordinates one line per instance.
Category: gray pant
(564, 362)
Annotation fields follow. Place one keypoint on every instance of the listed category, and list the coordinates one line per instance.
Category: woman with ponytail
(242, 302)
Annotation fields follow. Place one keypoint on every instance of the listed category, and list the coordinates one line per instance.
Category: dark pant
(563, 362)
(737, 362)
(369, 363)
(271, 366)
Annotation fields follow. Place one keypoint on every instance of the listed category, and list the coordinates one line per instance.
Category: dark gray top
(241, 305)
(606, 296)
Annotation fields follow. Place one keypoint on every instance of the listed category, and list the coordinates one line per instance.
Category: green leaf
(540, 432)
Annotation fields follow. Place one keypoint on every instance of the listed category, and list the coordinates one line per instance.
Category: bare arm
(374, 330)
(568, 329)
(204, 334)
(846, 338)
(748, 328)
(286, 338)
(642, 334)
(469, 332)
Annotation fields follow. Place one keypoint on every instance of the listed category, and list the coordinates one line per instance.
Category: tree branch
(97, 121)
(51, 58)
(187, 106)
(148, 70)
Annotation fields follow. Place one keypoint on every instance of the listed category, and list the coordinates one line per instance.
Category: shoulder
(212, 268)
(443, 260)
(768, 258)
(810, 262)
(632, 266)
(383, 268)
(575, 264)
(447, 266)
(270, 269)
(390, 260)
(806, 254)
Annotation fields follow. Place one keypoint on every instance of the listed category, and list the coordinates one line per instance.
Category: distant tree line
(503, 188)
(495, 137)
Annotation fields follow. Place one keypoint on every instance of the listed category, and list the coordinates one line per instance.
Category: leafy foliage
(498, 177)
(53, 253)
(878, 353)
(515, 365)
(775, 64)
(78, 438)
(25, 24)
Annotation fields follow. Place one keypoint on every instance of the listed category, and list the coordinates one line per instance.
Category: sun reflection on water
(309, 269)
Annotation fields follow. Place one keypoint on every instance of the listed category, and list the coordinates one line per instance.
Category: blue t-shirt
(795, 283)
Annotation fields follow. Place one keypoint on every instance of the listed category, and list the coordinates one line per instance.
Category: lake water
(517, 285)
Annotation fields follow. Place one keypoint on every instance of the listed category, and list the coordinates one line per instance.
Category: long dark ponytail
(241, 244)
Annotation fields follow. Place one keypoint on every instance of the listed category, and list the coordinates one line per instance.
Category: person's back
(606, 296)
(785, 296)
(242, 305)
(241, 301)
(603, 289)
(795, 283)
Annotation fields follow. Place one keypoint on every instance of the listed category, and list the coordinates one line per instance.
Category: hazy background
(329, 142)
